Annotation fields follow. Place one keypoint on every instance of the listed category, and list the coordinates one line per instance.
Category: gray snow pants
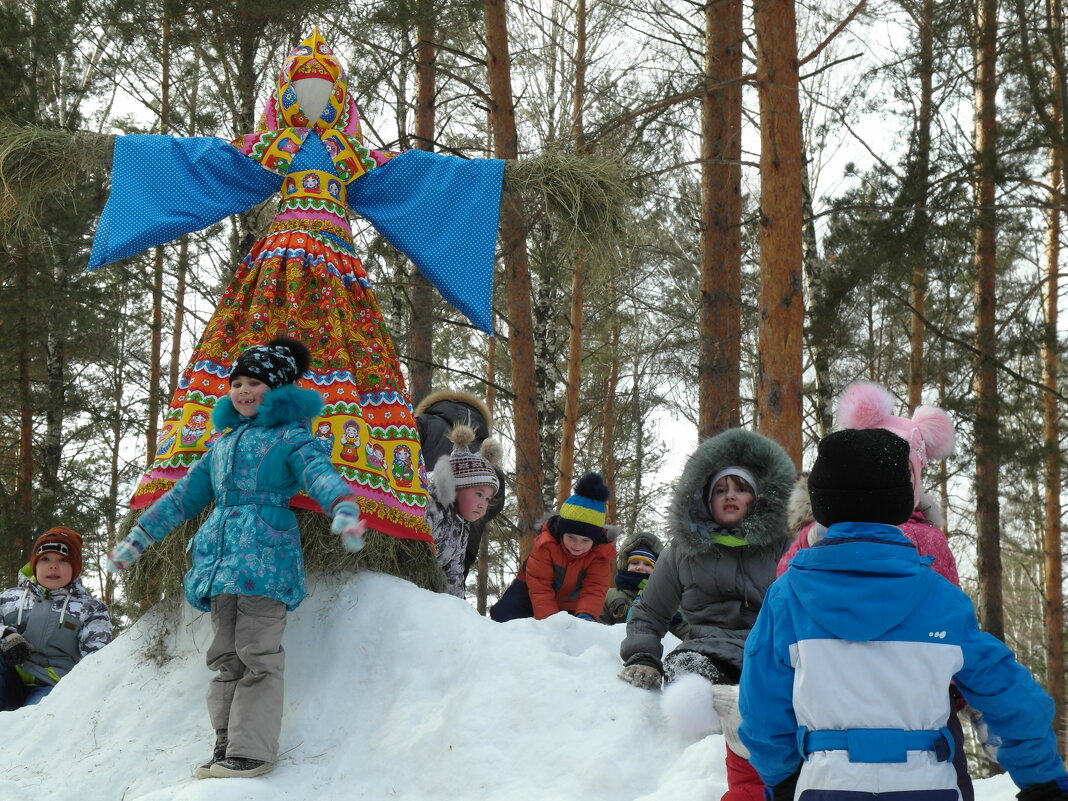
(245, 697)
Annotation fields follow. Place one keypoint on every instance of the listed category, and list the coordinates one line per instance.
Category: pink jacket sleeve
(800, 542)
(930, 541)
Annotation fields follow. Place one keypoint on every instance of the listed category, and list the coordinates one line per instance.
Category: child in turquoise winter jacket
(843, 694)
(248, 569)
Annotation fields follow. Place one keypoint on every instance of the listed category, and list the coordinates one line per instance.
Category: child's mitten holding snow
(694, 707)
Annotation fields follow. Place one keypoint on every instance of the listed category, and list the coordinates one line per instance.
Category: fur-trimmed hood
(646, 538)
(690, 523)
(286, 404)
(453, 408)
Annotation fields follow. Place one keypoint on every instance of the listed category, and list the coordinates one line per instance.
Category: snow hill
(392, 694)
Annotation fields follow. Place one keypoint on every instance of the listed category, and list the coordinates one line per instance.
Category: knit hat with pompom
(281, 361)
(462, 468)
(929, 432)
(583, 514)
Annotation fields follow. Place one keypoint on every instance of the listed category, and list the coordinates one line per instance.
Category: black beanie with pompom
(281, 361)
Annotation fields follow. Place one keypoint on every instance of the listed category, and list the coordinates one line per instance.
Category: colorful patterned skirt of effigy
(304, 280)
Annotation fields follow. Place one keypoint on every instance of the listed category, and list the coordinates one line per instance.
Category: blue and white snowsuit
(847, 667)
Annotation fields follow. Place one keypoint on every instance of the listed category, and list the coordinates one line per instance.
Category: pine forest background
(804, 195)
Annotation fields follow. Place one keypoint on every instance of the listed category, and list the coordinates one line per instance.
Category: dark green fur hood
(285, 404)
(646, 538)
(690, 523)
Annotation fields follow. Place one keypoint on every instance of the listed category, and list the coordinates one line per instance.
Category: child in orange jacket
(570, 567)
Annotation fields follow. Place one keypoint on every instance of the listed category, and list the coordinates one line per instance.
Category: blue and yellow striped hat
(583, 513)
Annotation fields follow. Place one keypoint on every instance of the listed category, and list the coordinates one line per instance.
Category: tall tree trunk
(639, 440)
(155, 358)
(609, 464)
(1052, 573)
(24, 529)
(243, 233)
(921, 176)
(482, 577)
(720, 314)
(183, 253)
(780, 305)
(987, 453)
(819, 345)
(55, 371)
(421, 331)
(578, 282)
(547, 377)
(574, 379)
(528, 471)
(115, 455)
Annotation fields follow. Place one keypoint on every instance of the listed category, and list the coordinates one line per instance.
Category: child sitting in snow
(570, 566)
(727, 524)
(248, 568)
(461, 488)
(49, 622)
(843, 695)
(637, 558)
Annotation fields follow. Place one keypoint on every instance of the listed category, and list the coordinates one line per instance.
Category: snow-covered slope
(392, 694)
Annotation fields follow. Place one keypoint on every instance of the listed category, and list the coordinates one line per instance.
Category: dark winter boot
(235, 767)
(219, 754)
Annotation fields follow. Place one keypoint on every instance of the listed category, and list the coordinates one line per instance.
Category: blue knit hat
(583, 513)
(644, 553)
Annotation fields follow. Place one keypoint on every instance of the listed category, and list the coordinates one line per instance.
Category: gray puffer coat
(63, 626)
(718, 587)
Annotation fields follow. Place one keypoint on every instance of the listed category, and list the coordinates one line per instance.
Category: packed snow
(392, 693)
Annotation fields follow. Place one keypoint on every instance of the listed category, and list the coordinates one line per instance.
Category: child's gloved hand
(1056, 790)
(725, 702)
(348, 525)
(585, 616)
(125, 553)
(641, 675)
(14, 648)
(989, 741)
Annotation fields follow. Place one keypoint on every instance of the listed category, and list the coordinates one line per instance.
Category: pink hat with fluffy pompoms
(929, 433)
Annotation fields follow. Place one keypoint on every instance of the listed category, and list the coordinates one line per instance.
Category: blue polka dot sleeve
(163, 187)
(442, 213)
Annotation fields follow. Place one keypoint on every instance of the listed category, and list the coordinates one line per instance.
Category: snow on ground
(392, 694)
